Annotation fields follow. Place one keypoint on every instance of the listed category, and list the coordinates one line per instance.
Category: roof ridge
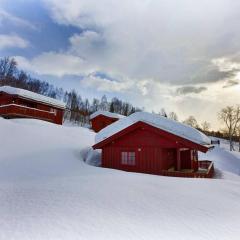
(32, 95)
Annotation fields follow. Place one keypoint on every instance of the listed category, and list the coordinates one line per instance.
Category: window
(128, 158)
(28, 104)
(53, 110)
(124, 159)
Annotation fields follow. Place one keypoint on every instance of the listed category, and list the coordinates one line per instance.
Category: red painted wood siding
(185, 156)
(29, 108)
(101, 121)
(154, 152)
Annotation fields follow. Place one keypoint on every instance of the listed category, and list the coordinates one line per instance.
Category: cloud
(147, 51)
(89, 45)
(166, 41)
(229, 65)
(76, 60)
(105, 84)
(190, 89)
(12, 41)
(88, 39)
(63, 64)
(57, 64)
(231, 83)
(5, 16)
(213, 75)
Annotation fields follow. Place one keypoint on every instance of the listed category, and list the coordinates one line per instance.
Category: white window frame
(128, 158)
(53, 110)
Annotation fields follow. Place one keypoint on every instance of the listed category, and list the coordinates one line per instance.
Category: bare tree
(191, 121)
(237, 133)
(205, 126)
(77, 109)
(104, 103)
(95, 105)
(230, 116)
(8, 69)
(173, 116)
(163, 113)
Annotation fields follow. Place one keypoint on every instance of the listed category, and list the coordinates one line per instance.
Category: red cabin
(20, 103)
(149, 143)
(102, 119)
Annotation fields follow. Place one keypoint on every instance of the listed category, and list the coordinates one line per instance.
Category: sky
(183, 56)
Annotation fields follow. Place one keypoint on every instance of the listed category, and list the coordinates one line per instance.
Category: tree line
(78, 109)
(229, 116)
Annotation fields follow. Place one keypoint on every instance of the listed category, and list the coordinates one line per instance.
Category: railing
(14, 110)
(204, 164)
(177, 174)
(206, 170)
(207, 166)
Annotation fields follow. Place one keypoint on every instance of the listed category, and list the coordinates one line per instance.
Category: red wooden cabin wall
(154, 152)
(6, 99)
(101, 121)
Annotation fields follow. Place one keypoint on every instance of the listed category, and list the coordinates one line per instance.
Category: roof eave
(200, 147)
(91, 118)
(39, 101)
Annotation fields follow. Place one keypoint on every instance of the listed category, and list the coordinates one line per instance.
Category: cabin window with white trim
(53, 110)
(128, 158)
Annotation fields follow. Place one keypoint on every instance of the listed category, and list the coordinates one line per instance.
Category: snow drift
(47, 191)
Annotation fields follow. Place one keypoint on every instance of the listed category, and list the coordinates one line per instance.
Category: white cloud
(89, 45)
(106, 85)
(141, 92)
(169, 41)
(6, 16)
(226, 64)
(12, 41)
(153, 47)
(52, 63)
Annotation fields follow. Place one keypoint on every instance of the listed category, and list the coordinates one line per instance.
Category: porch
(205, 170)
(15, 110)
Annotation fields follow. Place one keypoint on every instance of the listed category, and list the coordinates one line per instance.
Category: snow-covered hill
(223, 159)
(48, 192)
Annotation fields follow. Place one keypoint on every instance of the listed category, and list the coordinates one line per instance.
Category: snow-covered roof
(31, 95)
(106, 113)
(157, 121)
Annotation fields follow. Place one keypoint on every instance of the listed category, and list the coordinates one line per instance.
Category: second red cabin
(101, 119)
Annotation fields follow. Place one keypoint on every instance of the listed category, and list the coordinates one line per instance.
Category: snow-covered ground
(47, 191)
(224, 160)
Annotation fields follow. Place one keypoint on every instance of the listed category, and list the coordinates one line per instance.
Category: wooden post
(178, 160)
(192, 159)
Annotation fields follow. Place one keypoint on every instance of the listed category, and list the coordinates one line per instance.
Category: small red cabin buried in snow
(149, 143)
(101, 119)
(20, 103)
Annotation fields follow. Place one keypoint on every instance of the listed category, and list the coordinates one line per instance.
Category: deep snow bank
(223, 159)
(33, 149)
(48, 192)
